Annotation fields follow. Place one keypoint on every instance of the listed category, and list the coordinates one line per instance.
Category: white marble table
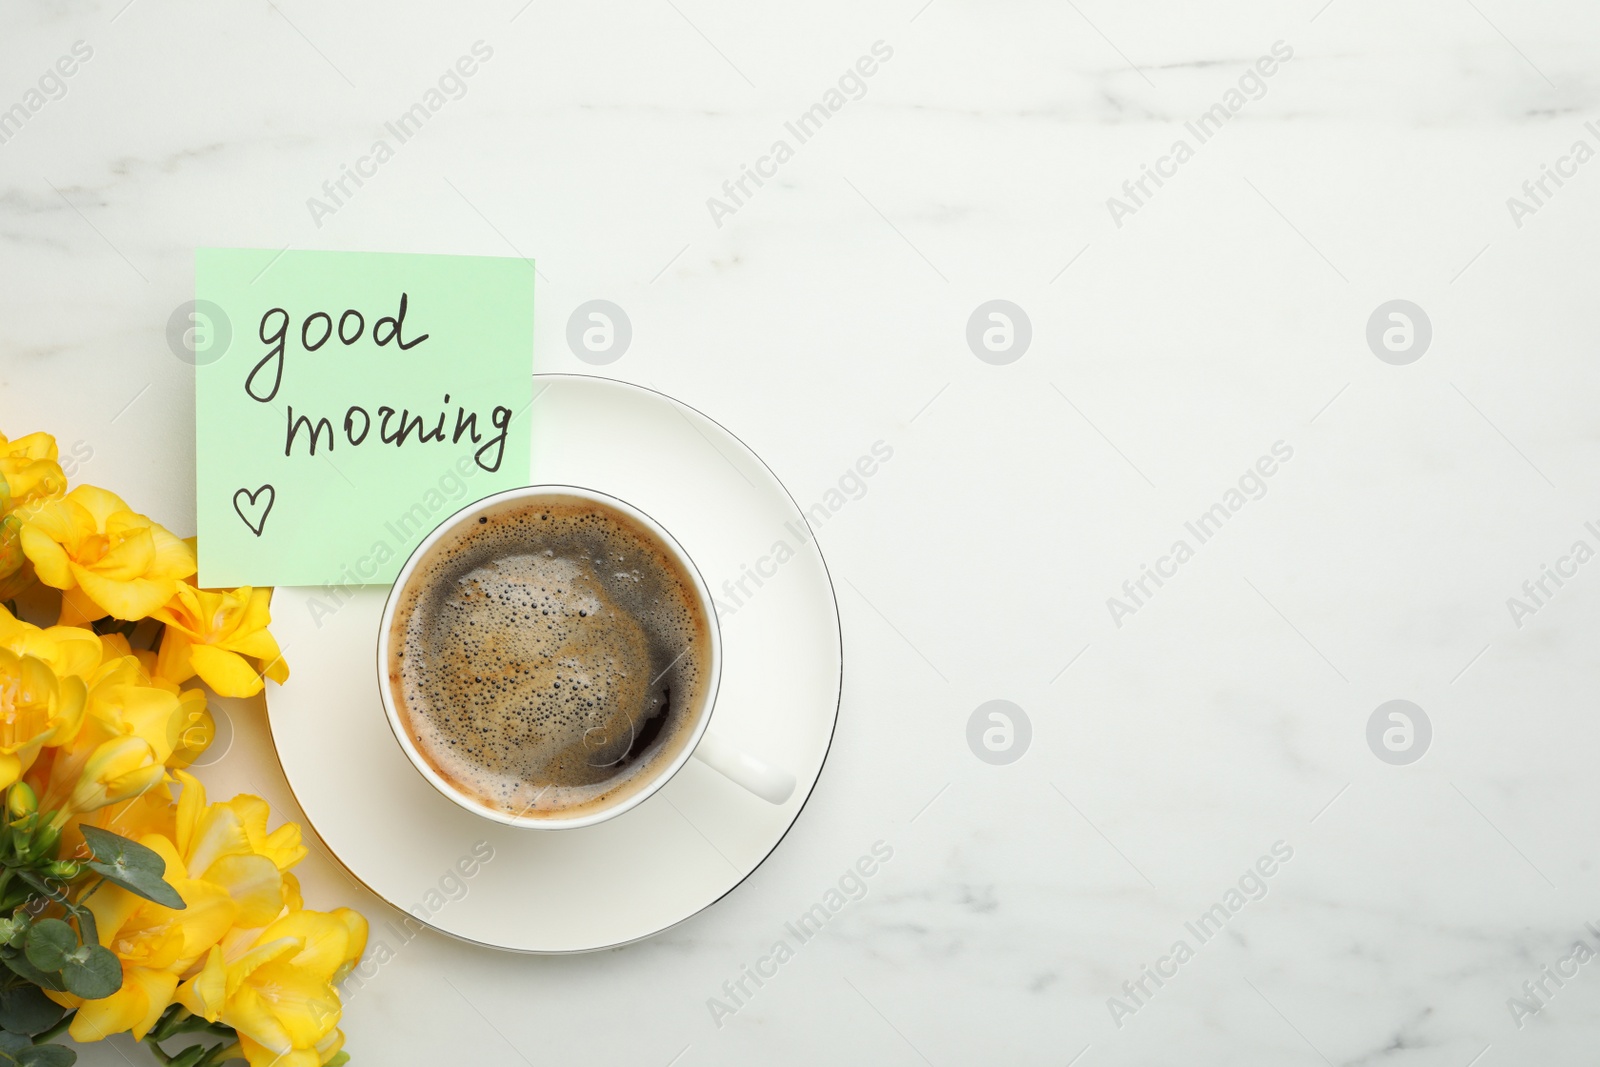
(1175, 339)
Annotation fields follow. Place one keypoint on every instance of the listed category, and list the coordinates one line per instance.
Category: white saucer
(690, 843)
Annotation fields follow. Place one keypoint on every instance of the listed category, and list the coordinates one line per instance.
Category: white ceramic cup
(766, 781)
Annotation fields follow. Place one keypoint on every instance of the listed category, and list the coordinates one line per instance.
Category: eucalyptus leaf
(11, 1043)
(50, 942)
(47, 1056)
(140, 883)
(19, 965)
(130, 865)
(92, 972)
(25, 1010)
(119, 851)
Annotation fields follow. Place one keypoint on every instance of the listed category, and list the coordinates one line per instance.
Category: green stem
(167, 1025)
(220, 1054)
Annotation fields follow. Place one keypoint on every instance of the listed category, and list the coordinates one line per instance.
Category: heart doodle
(260, 521)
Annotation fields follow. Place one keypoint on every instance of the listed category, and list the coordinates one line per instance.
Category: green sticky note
(347, 403)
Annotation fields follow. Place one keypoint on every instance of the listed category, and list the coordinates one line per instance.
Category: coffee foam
(549, 657)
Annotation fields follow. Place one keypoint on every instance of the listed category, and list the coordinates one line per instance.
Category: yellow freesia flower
(228, 844)
(226, 867)
(105, 558)
(130, 729)
(36, 709)
(42, 690)
(31, 473)
(29, 477)
(276, 989)
(216, 633)
(199, 727)
(155, 945)
(66, 649)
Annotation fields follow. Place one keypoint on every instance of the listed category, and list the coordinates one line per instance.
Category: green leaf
(47, 1056)
(11, 1043)
(189, 1056)
(130, 865)
(25, 1010)
(141, 884)
(50, 942)
(119, 851)
(339, 1060)
(92, 972)
(19, 965)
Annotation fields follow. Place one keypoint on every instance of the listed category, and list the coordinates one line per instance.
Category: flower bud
(42, 842)
(20, 800)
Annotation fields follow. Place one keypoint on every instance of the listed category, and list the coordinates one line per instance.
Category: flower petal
(49, 559)
(225, 672)
(253, 882)
(207, 992)
(133, 599)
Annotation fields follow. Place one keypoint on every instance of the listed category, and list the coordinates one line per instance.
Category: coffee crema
(549, 657)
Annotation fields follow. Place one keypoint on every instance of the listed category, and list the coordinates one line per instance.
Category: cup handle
(772, 784)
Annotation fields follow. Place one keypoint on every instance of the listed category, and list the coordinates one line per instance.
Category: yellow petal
(78, 651)
(130, 557)
(174, 663)
(175, 557)
(264, 952)
(191, 809)
(282, 1001)
(132, 599)
(217, 833)
(291, 891)
(199, 729)
(330, 1045)
(259, 1055)
(49, 559)
(10, 769)
(208, 914)
(35, 445)
(356, 944)
(116, 770)
(255, 885)
(257, 644)
(207, 992)
(122, 1010)
(101, 504)
(326, 940)
(112, 907)
(225, 672)
(157, 988)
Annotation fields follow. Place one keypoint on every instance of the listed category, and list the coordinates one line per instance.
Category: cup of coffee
(549, 657)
